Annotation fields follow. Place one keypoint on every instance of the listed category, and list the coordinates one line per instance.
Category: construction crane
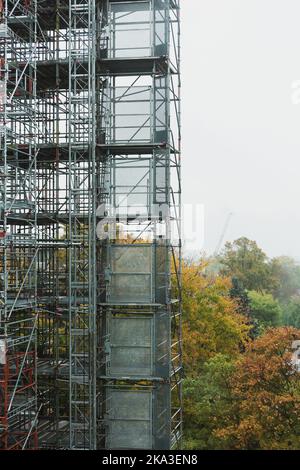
(226, 225)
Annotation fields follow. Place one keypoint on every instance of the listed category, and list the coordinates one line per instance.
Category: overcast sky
(241, 129)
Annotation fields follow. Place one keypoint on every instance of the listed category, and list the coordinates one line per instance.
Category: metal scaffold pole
(139, 227)
(18, 228)
(82, 209)
(90, 224)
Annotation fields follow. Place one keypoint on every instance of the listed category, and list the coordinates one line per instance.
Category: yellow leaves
(256, 404)
(211, 323)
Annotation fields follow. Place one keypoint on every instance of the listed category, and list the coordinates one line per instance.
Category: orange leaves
(266, 395)
(239, 393)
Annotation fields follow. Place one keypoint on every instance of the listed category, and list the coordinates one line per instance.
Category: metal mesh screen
(137, 274)
(131, 274)
(162, 416)
(162, 343)
(131, 259)
(130, 419)
(126, 288)
(131, 345)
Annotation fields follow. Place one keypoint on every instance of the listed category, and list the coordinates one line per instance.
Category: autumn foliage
(265, 396)
(241, 391)
(211, 322)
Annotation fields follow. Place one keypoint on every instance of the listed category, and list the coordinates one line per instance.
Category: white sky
(241, 129)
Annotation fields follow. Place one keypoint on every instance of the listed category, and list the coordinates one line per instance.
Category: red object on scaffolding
(27, 4)
(16, 381)
(2, 66)
(30, 85)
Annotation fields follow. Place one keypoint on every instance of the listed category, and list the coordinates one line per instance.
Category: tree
(211, 321)
(248, 402)
(240, 294)
(265, 394)
(206, 402)
(265, 310)
(286, 275)
(246, 262)
(291, 313)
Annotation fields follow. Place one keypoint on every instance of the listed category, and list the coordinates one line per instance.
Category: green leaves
(239, 392)
(265, 309)
(250, 402)
(246, 262)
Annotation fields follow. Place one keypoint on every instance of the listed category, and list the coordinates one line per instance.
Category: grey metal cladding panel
(161, 255)
(131, 346)
(130, 419)
(131, 331)
(130, 404)
(163, 344)
(162, 416)
(127, 361)
(130, 435)
(131, 259)
(162, 267)
(130, 288)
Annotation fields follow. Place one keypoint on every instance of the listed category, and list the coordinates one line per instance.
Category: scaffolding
(90, 224)
(18, 229)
